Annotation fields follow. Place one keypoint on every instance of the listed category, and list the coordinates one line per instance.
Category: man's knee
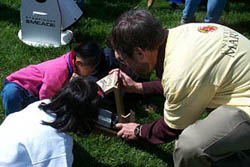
(197, 136)
(189, 149)
(187, 146)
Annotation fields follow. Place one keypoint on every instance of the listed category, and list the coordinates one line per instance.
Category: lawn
(98, 149)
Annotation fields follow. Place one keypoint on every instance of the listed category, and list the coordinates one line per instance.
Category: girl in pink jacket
(42, 81)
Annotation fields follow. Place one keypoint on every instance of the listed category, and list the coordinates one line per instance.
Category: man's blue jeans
(15, 98)
(214, 10)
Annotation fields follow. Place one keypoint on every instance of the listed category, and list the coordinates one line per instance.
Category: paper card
(108, 83)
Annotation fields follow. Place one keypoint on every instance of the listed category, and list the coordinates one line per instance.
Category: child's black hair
(90, 52)
(75, 106)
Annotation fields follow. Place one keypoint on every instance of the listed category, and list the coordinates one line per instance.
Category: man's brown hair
(136, 28)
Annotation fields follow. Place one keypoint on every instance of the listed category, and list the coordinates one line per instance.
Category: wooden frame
(110, 83)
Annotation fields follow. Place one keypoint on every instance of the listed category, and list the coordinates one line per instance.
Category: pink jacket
(46, 78)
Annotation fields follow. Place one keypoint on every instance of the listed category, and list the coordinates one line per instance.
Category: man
(205, 66)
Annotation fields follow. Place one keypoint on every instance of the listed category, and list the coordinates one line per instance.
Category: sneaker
(186, 21)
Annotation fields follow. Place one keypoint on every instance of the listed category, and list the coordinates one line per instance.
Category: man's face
(141, 66)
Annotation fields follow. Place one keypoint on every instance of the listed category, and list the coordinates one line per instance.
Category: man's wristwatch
(137, 131)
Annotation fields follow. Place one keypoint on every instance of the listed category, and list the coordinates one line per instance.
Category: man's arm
(157, 132)
(152, 87)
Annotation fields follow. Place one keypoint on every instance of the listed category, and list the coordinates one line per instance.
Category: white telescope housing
(44, 22)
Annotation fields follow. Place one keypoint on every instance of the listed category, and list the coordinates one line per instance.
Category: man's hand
(126, 130)
(128, 84)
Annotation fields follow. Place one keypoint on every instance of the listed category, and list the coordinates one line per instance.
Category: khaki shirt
(206, 65)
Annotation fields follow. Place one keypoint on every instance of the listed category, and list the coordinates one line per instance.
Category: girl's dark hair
(90, 52)
(75, 106)
(136, 28)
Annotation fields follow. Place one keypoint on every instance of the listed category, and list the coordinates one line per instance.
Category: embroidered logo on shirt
(207, 29)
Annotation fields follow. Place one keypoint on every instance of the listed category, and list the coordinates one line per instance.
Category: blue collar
(70, 65)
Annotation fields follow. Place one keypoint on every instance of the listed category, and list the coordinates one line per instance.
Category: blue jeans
(15, 97)
(214, 10)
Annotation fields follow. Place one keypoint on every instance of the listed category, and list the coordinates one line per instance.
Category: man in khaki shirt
(205, 66)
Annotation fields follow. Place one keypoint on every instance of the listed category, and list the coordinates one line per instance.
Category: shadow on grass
(154, 150)
(238, 5)
(9, 14)
(100, 12)
(234, 6)
(108, 10)
(125, 165)
(140, 103)
(83, 159)
(85, 36)
(242, 27)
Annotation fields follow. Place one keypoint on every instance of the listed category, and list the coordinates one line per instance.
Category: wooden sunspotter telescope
(106, 119)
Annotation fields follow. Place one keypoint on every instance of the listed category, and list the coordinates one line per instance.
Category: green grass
(98, 149)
